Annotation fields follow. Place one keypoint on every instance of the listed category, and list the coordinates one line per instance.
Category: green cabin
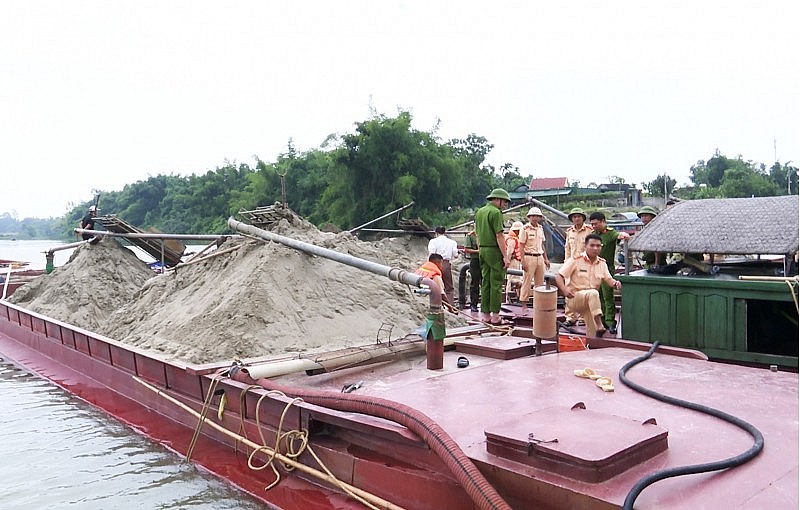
(735, 297)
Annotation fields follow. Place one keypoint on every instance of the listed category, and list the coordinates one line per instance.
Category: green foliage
(742, 182)
(28, 228)
(730, 178)
(386, 164)
(656, 186)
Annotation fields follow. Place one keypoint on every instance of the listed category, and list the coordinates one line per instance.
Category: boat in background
(738, 303)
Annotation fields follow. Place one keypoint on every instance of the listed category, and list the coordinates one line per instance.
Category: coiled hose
(483, 495)
(758, 438)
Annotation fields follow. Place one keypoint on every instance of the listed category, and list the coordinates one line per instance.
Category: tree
(386, 164)
(656, 186)
(740, 182)
(785, 177)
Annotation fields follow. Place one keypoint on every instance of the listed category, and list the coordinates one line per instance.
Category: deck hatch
(580, 444)
(501, 347)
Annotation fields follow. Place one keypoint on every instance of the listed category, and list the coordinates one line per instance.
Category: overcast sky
(94, 95)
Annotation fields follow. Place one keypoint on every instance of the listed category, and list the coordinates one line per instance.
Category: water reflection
(60, 452)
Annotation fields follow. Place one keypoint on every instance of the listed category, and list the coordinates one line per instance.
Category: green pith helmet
(577, 210)
(499, 193)
(647, 210)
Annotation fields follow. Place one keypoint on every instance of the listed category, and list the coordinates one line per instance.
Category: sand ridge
(262, 299)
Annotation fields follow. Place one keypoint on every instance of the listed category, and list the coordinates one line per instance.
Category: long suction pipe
(393, 273)
(480, 490)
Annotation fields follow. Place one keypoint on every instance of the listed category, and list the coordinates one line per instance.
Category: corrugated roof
(542, 183)
(766, 225)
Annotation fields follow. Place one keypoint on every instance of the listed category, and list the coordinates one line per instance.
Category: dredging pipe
(50, 254)
(435, 328)
(539, 203)
(143, 235)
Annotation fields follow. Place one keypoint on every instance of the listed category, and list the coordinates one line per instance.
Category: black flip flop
(462, 362)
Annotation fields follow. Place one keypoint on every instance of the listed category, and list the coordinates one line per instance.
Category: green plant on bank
(355, 177)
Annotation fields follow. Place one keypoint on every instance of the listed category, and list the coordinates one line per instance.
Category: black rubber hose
(758, 438)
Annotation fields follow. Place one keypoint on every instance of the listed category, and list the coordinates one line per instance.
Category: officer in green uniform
(471, 252)
(610, 238)
(493, 258)
(646, 214)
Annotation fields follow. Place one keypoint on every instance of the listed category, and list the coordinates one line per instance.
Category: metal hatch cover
(577, 443)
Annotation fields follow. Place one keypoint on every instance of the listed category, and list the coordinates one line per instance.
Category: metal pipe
(141, 235)
(51, 251)
(470, 222)
(551, 209)
(418, 232)
(334, 361)
(395, 274)
(398, 275)
(5, 282)
(356, 229)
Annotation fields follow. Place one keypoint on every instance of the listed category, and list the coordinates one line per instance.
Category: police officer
(493, 256)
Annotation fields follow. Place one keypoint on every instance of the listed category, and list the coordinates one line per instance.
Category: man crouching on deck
(579, 280)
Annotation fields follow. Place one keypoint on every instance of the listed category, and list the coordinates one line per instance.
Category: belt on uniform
(533, 254)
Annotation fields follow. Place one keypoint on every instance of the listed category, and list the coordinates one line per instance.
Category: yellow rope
(204, 412)
(295, 442)
(791, 283)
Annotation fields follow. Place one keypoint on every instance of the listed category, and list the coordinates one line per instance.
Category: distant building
(548, 183)
(631, 195)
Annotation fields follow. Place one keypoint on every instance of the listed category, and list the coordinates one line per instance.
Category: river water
(59, 452)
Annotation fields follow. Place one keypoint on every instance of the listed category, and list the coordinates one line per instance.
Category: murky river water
(57, 451)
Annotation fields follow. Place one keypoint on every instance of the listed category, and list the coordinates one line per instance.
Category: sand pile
(96, 281)
(260, 299)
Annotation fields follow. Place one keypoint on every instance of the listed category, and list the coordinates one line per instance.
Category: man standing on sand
(493, 256)
(471, 253)
(573, 248)
(448, 249)
(609, 238)
(88, 222)
(534, 254)
(579, 278)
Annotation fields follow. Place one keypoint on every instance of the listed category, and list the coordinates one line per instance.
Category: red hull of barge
(491, 398)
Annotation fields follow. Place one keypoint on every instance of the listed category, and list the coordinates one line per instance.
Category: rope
(204, 412)
(295, 442)
(791, 283)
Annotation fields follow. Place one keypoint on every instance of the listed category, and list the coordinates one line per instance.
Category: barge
(496, 426)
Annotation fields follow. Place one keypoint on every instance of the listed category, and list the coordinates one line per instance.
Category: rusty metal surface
(468, 401)
(491, 395)
(558, 439)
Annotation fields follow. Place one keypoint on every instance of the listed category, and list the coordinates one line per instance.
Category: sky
(96, 94)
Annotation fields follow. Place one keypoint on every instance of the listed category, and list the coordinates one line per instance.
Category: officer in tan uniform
(573, 248)
(579, 280)
(534, 255)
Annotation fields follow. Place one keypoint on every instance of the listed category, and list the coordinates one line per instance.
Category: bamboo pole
(209, 256)
(205, 249)
(769, 278)
(372, 498)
